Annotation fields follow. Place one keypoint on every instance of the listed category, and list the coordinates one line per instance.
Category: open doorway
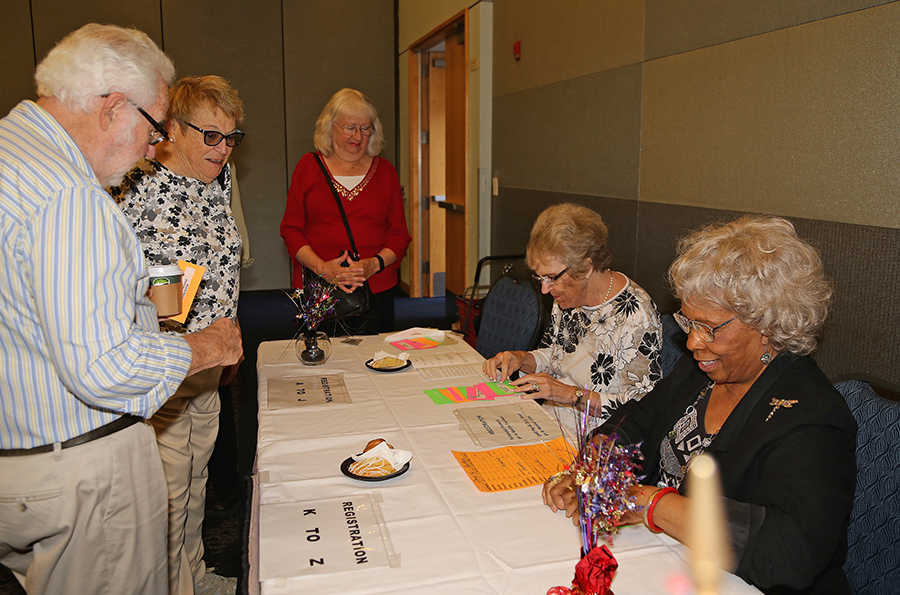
(438, 159)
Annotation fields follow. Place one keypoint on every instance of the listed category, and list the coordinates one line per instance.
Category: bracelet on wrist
(380, 262)
(579, 395)
(651, 506)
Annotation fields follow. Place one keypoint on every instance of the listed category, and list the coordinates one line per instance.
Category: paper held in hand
(190, 283)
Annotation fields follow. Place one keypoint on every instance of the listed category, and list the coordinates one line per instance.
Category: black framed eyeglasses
(366, 129)
(550, 280)
(704, 331)
(213, 138)
(160, 133)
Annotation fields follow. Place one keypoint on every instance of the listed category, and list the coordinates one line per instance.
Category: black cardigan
(788, 481)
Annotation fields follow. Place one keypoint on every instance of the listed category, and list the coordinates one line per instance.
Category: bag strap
(338, 200)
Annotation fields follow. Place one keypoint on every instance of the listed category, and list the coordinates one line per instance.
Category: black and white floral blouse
(612, 349)
(180, 218)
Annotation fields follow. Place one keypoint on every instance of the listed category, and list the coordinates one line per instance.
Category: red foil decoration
(593, 574)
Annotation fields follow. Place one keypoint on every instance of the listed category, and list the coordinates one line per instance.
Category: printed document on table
(433, 366)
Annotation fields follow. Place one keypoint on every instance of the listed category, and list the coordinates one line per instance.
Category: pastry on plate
(388, 362)
(373, 443)
(372, 467)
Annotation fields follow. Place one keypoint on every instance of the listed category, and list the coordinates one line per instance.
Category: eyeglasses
(159, 133)
(704, 331)
(550, 280)
(366, 129)
(213, 138)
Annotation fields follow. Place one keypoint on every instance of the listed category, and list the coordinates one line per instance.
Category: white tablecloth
(451, 538)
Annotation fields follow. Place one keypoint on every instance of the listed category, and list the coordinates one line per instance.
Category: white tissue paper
(417, 333)
(398, 458)
(383, 354)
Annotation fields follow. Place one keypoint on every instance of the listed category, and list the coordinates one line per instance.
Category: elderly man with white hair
(82, 491)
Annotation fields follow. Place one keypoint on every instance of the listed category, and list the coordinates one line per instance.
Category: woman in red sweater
(348, 139)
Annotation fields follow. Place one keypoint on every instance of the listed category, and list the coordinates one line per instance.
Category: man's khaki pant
(87, 519)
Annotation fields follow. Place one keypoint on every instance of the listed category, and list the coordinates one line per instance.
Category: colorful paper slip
(515, 467)
(420, 343)
(483, 391)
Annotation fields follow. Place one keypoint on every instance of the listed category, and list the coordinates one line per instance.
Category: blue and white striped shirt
(79, 340)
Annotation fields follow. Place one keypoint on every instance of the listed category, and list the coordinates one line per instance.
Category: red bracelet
(648, 511)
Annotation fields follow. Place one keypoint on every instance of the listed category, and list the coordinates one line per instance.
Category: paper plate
(345, 469)
(397, 369)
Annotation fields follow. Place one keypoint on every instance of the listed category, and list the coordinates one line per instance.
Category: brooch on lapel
(777, 404)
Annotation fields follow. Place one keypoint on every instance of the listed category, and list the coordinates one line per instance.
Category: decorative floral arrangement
(601, 475)
(314, 303)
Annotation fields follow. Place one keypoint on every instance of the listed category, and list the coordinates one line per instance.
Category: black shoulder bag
(361, 300)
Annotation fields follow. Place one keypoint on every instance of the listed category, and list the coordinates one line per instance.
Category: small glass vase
(313, 349)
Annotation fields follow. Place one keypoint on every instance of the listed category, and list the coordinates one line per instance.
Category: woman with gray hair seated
(753, 297)
(604, 341)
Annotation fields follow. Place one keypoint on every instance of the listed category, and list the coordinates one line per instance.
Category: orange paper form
(190, 283)
(514, 467)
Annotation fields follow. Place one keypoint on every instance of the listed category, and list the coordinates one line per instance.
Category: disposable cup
(165, 289)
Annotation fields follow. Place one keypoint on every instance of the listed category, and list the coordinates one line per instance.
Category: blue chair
(514, 316)
(674, 344)
(873, 558)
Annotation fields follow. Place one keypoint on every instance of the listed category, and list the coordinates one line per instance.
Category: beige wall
(800, 121)
(284, 63)
(782, 108)
(561, 41)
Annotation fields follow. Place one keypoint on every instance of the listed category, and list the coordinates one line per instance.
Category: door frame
(420, 278)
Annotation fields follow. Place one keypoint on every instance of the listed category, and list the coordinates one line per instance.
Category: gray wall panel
(241, 41)
(580, 136)
(675, 26)
(17, 49)
(331, 45)
(53, 20)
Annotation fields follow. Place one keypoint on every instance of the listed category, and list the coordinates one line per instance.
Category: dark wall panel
(675, 26)
(53, 20)
(329, 46)
(861, 332)
(241, 41)
(17, 49)
(515, 210)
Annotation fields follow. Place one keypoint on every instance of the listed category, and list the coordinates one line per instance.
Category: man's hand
(219, 344)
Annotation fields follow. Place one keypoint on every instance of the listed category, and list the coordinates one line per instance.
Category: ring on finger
(556, 478)
(535, 386)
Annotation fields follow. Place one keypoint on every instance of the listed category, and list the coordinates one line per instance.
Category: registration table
(446, 537)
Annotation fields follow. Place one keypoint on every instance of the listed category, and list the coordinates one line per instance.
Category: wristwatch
(380, 262)
(579, 395)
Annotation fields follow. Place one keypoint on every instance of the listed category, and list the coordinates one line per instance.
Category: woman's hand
(545, 386)
(344, 272)
(642, 495)
(559, 494)
(506, 362)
